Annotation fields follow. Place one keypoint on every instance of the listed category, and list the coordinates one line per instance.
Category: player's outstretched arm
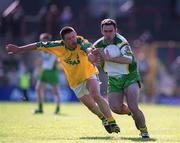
(14, 49)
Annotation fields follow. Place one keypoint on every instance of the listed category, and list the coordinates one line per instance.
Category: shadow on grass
(61, 114)
(97, 138)
(134, 139)
(138, 139)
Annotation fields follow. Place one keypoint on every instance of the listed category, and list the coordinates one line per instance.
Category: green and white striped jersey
(116, 69)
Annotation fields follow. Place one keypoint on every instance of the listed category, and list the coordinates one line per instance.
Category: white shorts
(82, 89)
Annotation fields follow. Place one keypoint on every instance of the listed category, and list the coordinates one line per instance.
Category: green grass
(77, 125)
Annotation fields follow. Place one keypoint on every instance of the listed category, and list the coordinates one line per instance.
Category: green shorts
(50, 77)
(118, 84)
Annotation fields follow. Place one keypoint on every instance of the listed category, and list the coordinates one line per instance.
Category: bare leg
(55, 90)
(116, 103)
(132, 99)
(40, 96)
(94, 90)
(89, 102)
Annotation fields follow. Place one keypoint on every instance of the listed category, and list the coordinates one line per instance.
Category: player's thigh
(40, 85)
(132, 93)
(55, 89)
(93, 87)
(115, 100)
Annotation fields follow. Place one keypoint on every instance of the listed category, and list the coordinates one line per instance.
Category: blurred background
(151, 27)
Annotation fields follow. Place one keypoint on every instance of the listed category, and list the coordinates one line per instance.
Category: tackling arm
(14, 49)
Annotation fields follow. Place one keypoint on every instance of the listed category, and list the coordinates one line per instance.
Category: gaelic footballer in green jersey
(123, 75)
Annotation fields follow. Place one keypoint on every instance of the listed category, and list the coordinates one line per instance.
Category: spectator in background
(12, 21)
(52, 19)
(13, 77)
(47, 18)
(165, 82)
(2, 74)
(146, 37)
(66, 16)
(143, 66)
(176, 74)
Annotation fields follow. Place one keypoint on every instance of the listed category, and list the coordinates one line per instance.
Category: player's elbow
(129, 61)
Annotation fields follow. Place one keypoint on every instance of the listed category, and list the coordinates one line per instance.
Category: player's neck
(110, 41)
(71, 47)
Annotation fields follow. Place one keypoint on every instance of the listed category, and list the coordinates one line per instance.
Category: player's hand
(12, 49)
(95, 59)
(91, 58)
(95, 51)
(104, 55)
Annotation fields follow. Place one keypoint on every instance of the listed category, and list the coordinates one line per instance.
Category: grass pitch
(76, 124)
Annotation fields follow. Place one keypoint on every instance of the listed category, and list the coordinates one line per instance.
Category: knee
(38, 89)
(97, 98)
(55, 93)
(115, 109)
(96, 95)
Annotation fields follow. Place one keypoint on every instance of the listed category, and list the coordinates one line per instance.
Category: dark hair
(65, 30)
(45, 36)
(108, 22)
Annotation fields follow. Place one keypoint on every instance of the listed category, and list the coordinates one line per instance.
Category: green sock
(40, 106)
(57, 109)
(143, 130)
(102, 118)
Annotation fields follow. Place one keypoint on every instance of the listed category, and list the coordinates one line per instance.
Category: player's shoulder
(99, 43)
(58, 43)
(121, 38)
(52, 44)
(80, 38)
(49, 44)
(121, 41)
(84, 43)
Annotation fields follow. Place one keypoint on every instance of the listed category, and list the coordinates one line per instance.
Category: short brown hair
(65, 30)
(108, 22)
(45, 36)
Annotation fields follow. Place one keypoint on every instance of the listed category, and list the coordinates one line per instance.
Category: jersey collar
(105, 42)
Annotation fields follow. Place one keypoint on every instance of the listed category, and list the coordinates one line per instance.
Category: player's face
(108, 32)
(70, 39)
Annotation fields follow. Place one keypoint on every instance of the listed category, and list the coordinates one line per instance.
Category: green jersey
(120, 76)
(125, 51)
